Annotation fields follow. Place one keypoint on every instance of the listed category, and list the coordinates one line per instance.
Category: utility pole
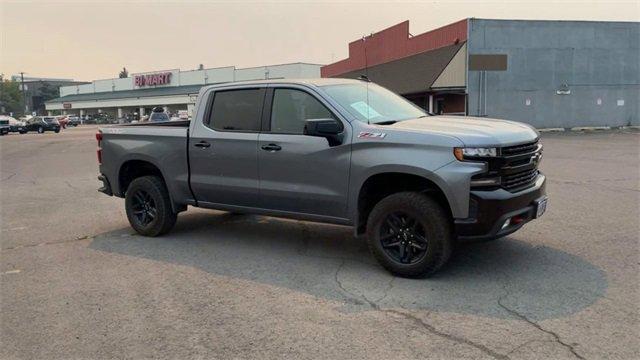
(24, 94)
(2, 93)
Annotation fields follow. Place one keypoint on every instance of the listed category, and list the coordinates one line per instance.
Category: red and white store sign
(163, 78)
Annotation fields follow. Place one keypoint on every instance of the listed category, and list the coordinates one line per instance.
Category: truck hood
(472, 131)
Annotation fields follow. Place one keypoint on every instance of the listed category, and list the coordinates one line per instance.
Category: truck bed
(162, 144)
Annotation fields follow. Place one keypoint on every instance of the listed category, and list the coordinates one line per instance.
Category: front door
(223, 149)
(300, 173)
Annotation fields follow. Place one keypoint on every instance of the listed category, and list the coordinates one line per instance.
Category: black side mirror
(331, 129)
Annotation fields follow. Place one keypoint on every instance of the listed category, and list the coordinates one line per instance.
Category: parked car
(336, 151)
(41, 124)
(73, 120)
(4, 127)
(14, 125)
(103, 118)
(158, 116)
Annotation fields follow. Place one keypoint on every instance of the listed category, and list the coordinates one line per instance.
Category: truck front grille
(521, 180)
(519, 168)
(520, 149)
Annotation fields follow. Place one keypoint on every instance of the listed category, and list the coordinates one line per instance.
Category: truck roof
(312, 81)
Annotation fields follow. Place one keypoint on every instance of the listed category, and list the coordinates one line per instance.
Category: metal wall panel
(560, 73)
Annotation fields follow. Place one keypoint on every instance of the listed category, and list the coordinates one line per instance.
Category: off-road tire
(437, 228)
(157, 190)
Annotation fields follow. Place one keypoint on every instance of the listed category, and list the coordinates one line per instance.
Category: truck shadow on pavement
(498, 279)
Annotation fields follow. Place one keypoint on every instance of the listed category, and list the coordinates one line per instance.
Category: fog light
(506, 223)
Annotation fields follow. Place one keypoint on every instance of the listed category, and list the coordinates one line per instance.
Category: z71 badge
(370, 135)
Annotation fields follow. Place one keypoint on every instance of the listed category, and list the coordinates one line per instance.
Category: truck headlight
(474, 152)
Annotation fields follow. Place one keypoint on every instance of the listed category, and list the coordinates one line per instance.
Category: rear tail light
(99, 151)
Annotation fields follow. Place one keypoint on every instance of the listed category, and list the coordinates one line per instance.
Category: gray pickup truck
(337, 151)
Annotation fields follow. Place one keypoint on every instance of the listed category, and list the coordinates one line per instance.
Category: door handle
(202, 144)
(271, 147)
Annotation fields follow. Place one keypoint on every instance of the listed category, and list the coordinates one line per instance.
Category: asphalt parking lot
(76, 282)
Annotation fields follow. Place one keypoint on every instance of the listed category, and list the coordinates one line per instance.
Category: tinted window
(290, 109)
(237, 110)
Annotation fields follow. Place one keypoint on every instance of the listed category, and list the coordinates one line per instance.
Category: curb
(590, 128)
(551, 130)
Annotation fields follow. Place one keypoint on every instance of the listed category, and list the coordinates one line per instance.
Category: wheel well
(379, 186)
(134, 169)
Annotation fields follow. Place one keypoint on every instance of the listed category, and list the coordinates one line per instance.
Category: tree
(124, 73)
(11, 97)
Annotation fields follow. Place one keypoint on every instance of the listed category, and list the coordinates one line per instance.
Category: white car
(14, 125)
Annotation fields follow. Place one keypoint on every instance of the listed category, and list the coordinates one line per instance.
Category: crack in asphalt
(530, 341)
(69, 185)
(386, 291)
(85, 237)
(9, 177)
(569, 347)
(416, 320)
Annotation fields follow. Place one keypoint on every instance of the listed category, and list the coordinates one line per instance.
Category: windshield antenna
(365, 77)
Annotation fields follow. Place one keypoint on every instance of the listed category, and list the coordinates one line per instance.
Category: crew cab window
(237, 110)
(290, 108)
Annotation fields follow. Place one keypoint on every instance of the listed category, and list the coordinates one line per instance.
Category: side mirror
(331, 129)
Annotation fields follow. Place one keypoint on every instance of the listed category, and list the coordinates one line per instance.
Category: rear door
(300, 173)
(223, 148)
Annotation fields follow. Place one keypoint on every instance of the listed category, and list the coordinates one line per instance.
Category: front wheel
(148, 206)
(409, 233)
(56, 131)
(40, 130)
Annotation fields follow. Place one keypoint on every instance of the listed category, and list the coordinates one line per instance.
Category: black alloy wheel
(148, 206)
(403, 238)
(144, 208)
(409, 233)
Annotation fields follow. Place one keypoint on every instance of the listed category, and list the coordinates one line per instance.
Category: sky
(87, 40)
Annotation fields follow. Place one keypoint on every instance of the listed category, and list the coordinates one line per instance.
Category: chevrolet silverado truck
(337, 151)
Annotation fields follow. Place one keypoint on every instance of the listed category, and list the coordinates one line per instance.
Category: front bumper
(489, 210)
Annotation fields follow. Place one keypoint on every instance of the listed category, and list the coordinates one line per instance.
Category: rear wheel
(409, 233)
(148, 206)
(40, 130)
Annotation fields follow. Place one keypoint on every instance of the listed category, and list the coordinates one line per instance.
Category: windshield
(50, 120)
(378, 106)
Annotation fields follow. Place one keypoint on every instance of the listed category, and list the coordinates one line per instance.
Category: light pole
(24, 94)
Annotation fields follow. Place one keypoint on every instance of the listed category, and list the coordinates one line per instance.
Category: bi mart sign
(162, 78)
